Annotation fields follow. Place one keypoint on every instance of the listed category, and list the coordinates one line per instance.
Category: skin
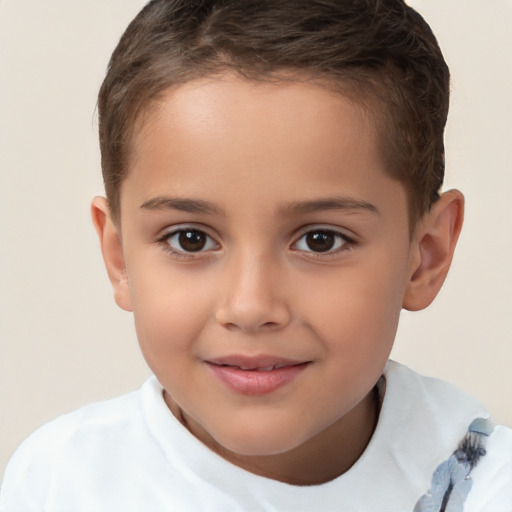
(256, 167)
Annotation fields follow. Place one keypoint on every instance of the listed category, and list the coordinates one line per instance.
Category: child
(272, 172)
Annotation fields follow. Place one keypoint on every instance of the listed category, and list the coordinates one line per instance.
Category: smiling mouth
(260, 376)
(259, 369)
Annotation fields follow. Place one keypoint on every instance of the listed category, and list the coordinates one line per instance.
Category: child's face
(260, 229)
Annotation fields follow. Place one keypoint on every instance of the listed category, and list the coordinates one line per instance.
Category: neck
(322, 458)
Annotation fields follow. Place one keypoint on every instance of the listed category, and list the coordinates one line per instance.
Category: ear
(112, 249)
(432, 250)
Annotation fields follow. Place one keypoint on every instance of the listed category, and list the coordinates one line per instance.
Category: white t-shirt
(132, 454)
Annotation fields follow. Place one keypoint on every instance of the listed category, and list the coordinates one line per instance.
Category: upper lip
(261, 362)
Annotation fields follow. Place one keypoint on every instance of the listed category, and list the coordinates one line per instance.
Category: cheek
(169, 313)
(357, 312)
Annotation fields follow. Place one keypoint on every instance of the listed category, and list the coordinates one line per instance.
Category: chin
(259, 442)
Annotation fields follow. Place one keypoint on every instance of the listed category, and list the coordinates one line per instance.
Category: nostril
(252, 315)
(231, 326)
(265, 326)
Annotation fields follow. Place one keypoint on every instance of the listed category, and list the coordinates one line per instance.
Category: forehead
(201, 102)
(293, 137)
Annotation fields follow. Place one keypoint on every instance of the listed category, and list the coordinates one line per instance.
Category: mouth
(256, 375)
(258, 369)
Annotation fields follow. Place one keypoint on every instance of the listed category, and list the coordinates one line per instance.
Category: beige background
(63, 341)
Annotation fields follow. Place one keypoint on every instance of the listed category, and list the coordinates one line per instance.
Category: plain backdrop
(64, 343)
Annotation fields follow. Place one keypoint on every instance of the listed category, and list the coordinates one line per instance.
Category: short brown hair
(380, 49)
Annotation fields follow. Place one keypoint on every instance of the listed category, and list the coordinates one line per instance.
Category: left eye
(321, 240)
(190, 240)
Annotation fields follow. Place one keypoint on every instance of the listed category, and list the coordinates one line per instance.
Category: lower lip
(256, 382)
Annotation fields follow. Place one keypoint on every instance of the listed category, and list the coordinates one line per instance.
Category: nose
(253, 295)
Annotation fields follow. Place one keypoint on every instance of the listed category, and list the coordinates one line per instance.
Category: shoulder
(434, 400)
(439, 414)
(67, 444)
(98, 418)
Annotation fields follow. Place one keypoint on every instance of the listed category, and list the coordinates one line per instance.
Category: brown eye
(190, 240)
(321, 241)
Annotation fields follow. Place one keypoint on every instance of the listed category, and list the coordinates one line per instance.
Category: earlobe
(112, 250)
(432, 250)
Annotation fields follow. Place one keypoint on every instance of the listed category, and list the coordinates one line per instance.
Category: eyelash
(165, 241)
(343, 242)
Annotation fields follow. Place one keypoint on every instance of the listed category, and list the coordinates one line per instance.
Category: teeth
(266, 369)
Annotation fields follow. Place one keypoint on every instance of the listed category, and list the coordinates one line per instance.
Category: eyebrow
(189, 205)
(330, 203)
(181, 204)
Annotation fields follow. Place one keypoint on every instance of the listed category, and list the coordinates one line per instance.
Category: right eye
(188, 240)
